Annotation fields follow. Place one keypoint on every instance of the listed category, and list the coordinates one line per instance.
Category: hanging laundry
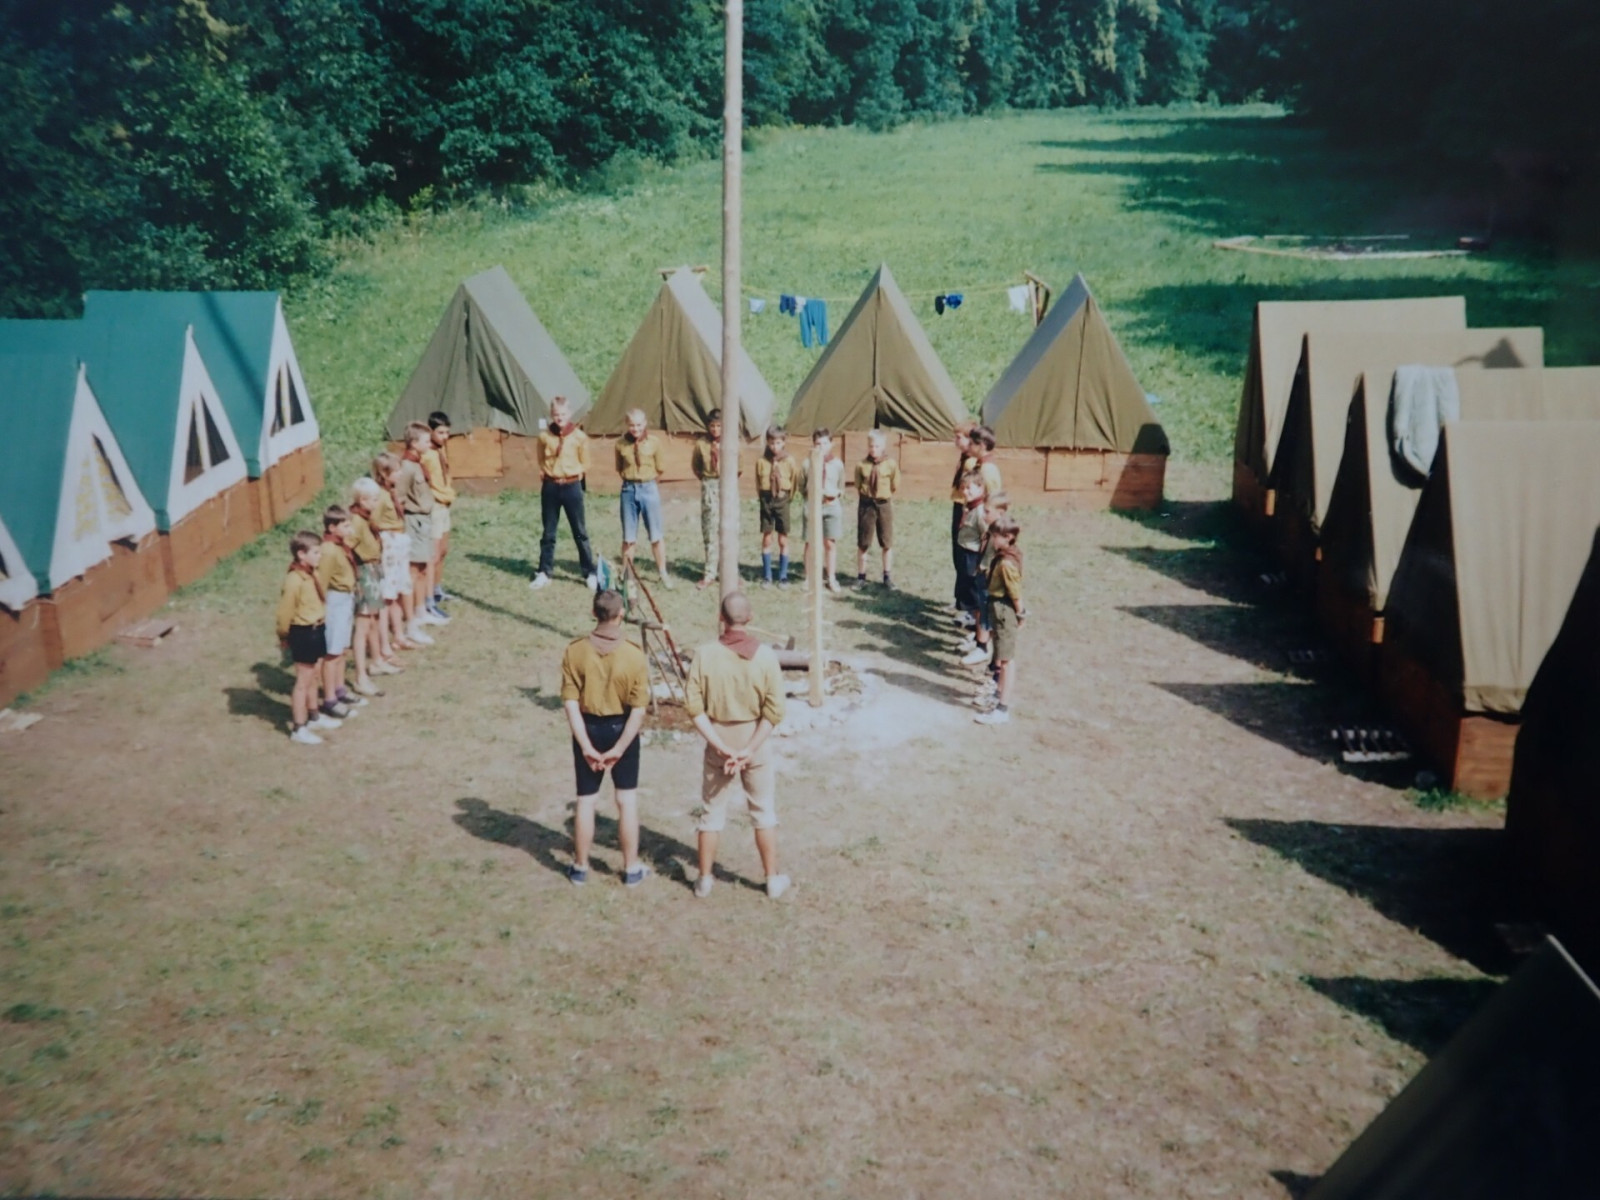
(814, 323)
(1019, 298)
(938, 305)
(786, 305)
(757, 304)
(953, 300)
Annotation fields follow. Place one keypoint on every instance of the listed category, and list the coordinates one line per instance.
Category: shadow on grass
(552, 848)
(949, 693)
(1296, 715)
(549, 701)
(1205, 569)
(252, 702)
(1423, 1013)
(909, 644)
(1296, 1185)
(273, 677)
(517, 568)
(500, 610)
(1212, 521)
(1235, 630)
(1444, 883)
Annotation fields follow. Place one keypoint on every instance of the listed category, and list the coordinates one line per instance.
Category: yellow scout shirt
(991, 478)
(605, 685)
(888, 479)
(300, 602)
(415, 495)
(334, 571)
(438, 477)
(969, 463)
(1005, 581)
(704, 468)
(563, 457)
(777, 478)
(638, 462)
(365, 543)
(731, 690)
(384, 518)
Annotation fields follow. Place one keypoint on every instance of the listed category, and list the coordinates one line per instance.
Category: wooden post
(732, 297)
(815, 569)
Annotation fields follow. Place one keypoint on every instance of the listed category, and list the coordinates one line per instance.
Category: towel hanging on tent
(1424, 398)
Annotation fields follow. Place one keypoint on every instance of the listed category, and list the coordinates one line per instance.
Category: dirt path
(1146, 941)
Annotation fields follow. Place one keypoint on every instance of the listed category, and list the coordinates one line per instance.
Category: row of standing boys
(367, 589)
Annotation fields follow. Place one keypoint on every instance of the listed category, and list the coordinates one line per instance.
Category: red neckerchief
(716, 455)
(741, 641)
(605, 641)
(962, 468)
(315, 582)
(349, 551)
(412, 456)
(872, 477)
(444, 459)
(394, 496)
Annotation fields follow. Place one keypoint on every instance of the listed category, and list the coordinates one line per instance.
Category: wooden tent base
(85, 613)
(1471, 751)
(1254, 499)
(1295, 544)
(1350, 624)
(209, 534)
(487, 461)
(24, 656)
(287, 486)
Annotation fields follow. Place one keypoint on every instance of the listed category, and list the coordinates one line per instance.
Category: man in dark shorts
(605, 688)
(777, 475)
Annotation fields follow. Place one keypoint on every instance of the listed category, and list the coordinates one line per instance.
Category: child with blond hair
(301, 626)
(371, 644)
(391, 530)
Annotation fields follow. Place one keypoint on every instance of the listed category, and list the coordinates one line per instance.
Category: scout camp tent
(18, 585)
(24, 659)
(1489, 569)
(672, 369)
(1276, 339)
(1508, 1109)
(1553, 812)
(879, 372)
(244, 342)
(79, 523)
(1372, 501)
(1312, 441)
(489, 365)
(167, 413)
(1071, 386)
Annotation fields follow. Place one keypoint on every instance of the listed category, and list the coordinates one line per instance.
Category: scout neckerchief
(605, 641)
(741, 641)
(349, 551)
(312, 575)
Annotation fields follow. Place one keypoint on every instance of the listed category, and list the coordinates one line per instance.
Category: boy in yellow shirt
(563, 453)
(336, 576)
(708, 470)
(777, 475)
(877, 480)
(301, 619)
(436, 470)
(639, 465)
(1006, 614)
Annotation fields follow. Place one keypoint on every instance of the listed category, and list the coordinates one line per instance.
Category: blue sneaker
(577, 876)
(636, 876)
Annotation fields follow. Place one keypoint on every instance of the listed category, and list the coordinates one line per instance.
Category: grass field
(1147, 941)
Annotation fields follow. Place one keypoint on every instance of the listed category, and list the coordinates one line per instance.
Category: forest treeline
(216, 143)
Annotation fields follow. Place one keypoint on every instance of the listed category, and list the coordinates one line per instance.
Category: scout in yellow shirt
(1006, 614)
(563, 453)
(877, 480)
(605, 688)
(639, 464)
(336, 573)
(735, 697)
(966, 463)
(371, 643)
(777, 476)
(707, 465)
(436, 469)
(300, 626)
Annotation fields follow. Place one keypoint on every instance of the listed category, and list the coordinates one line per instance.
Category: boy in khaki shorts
(735, 697)
(416, 501)
(1006, 614)
(436, 470)
(877, 480)
(832, 486)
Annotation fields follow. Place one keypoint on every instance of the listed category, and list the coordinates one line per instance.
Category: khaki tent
(1312, 442)
(1071, 386)
(1276, 339)
(490, 364)
(1502, 530)
(672, 369)
(1371, 503)
(879, 371)
(1553, 812)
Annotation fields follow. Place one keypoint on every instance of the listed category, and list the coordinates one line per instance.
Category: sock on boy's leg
(766, 565)
(783, 566)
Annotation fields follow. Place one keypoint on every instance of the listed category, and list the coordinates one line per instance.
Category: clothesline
(981, 290)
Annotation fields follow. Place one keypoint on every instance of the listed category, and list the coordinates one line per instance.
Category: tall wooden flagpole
(732, 296)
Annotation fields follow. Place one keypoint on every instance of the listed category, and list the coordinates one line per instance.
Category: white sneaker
(666, 582)
(538, 581)
(995, 716)
(323, 721)
(965, 620)
(429, 617)
(702, 886)
(975, 656)
(417, 636)
(777, 885)
(593, 583)
(967, 643)
(984, 701)
(354, 699)
(304, 736)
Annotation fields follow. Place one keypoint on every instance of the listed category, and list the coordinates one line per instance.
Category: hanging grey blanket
(1424, 398)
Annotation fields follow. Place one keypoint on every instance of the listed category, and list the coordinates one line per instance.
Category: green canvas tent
(490, 364)
(1372, 502)
(1312, 443)
(879, 371)
(1493, 558)
(1071, 386)
(244, 343)
(1276, 337)
(1553, 811)
(67, 491)
(672, 369)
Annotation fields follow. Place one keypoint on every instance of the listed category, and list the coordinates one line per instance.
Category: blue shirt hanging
(786, 304)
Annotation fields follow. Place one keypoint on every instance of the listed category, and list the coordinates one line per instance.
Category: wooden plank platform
(24, 654)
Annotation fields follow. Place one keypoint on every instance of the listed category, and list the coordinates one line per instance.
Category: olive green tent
(1499, 541)
(672, 369)
(879, 371)
(1276, 338)
(490, 364)
(1312, 442)
(1372, 503)
(1071, 386)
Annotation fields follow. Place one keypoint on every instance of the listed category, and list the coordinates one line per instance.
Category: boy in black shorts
(605, 688)
(777, 475)
(302, 631)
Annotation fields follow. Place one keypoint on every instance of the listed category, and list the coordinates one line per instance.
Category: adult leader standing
(563, 451)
